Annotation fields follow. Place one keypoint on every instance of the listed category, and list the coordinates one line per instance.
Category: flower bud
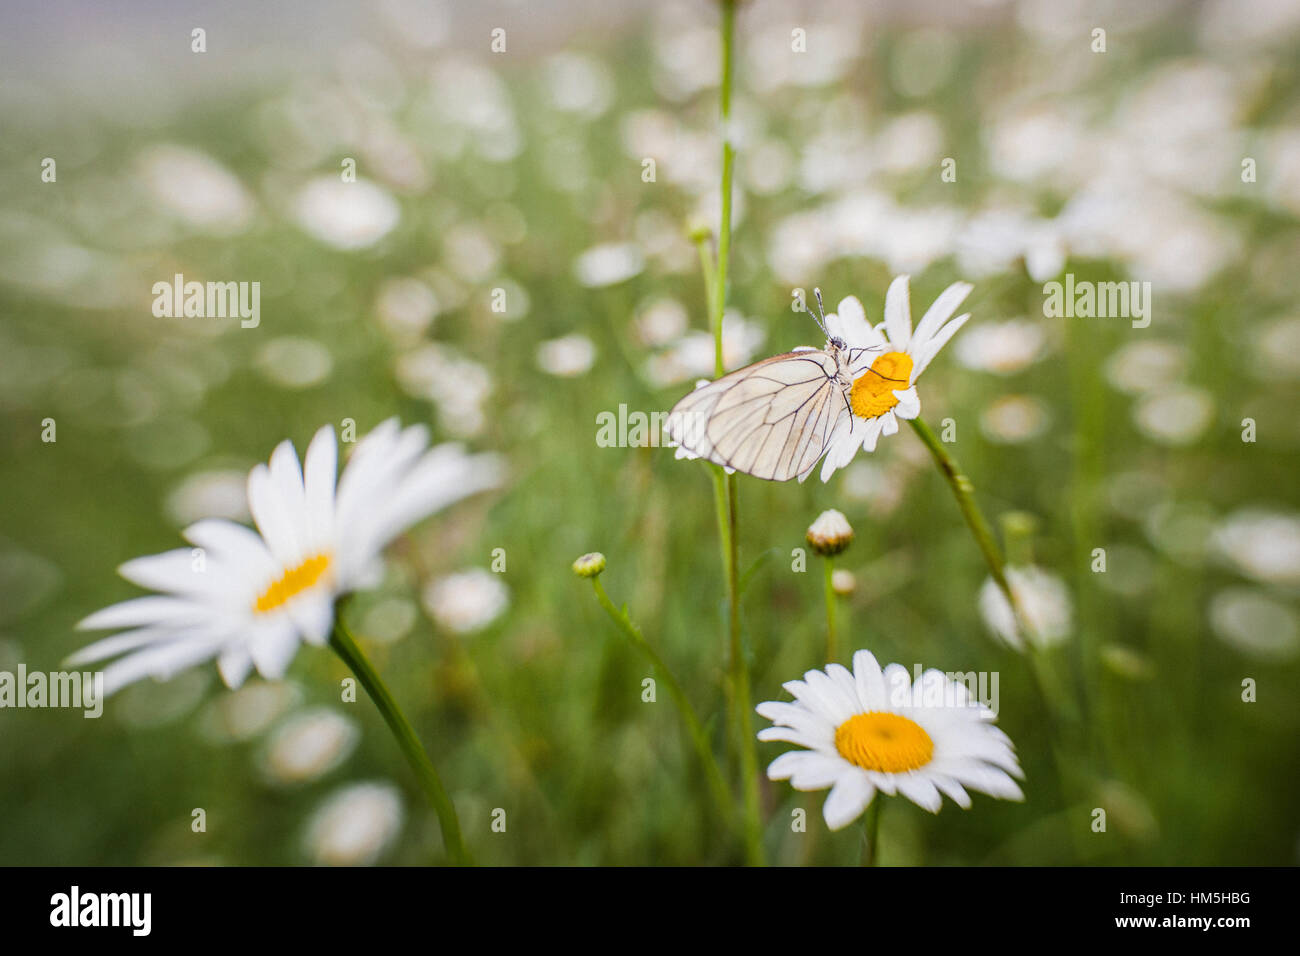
(589, 565)
(830, 534)
(843, 582)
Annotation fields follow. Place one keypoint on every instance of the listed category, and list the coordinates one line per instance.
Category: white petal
(234, 664)
(160, 661)
(271, 514)
(312, 613)
(320, 474)
(835, 327)
(243, 546)
(837, 705)
(909, 404)
(939, 312)
(986, 779)
(955, 791)
(806, 769)
(847, 799)
(919, 790)
(788, 735)
(153, 609)
(898, 314)
(857, 331)
(922, 360)
(273, 647)
(870, 683)
(871, 434)
(170, 571)
(121, 643)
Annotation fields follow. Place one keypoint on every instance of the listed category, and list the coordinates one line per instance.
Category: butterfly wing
(773, 419)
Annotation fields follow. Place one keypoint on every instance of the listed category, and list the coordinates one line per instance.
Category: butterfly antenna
(820, 318)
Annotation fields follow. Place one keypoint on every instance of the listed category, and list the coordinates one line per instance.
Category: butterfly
(774, 419)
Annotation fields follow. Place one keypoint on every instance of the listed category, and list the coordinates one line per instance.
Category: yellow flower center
(293, 581)
(882, 741)
(873, 392)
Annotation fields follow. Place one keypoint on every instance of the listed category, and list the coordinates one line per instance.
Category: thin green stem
(728, 167)
(346, 647)
(964, 491)
(871, 832)
(725, 491)
(1059, 708)
(699, 738)
(832, 649)
(741, 693)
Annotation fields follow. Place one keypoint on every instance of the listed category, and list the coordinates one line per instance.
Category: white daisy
(247, 598)
(884, 378)
(875, 730)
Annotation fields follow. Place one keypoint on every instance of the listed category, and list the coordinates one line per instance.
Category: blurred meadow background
(518, 179)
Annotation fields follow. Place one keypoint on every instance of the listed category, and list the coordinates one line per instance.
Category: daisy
(247, 598)
(875, 730)
(893, 358)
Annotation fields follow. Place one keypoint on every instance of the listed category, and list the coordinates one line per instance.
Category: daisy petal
(847, 799)
(939, 312)
(898, 314)
(922, 360)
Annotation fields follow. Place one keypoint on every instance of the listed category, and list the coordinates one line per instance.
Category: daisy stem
(717, 786)
(715, 284)
(871, 832)
(964, 491)
(832, 650)
(346, 647)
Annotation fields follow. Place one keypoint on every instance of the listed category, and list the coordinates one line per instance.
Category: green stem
(871, 831)
(717, 785)
(725, 492)
(728, 166)
(964, 491)
(741, 693)
(832, 650)
(1058, 707)
(346, 647)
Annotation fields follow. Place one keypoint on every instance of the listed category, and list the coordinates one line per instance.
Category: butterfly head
(832, 341)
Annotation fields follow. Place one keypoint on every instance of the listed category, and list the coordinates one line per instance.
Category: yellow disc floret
(873, 392)
(294, 581)
(879, 740)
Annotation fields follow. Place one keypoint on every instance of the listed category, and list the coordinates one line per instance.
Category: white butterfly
(776, 418)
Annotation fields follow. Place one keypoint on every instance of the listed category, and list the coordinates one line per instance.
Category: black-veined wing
(773, 419)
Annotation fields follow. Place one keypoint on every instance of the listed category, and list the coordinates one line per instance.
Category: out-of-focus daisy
(1012, 419)
(870, 730)
(566, 357)
(1262, 544)
(608, 264)
(467, 601)
(891, 358)
(1044, 601)
(211, 494)
(1255, 624)
(197, 189)
(1146, 366)
(1177, 415)
(345, 215)
(307, 746)
(355, 825)
(1003, 348)
(247, 598)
